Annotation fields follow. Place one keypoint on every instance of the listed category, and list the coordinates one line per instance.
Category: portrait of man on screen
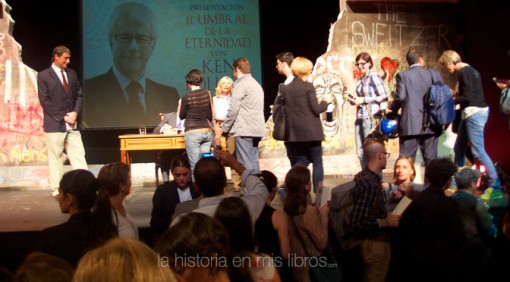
(124, 96)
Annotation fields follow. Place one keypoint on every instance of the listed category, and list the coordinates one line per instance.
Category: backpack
(504, 102)
(341, 205)
(439, 107)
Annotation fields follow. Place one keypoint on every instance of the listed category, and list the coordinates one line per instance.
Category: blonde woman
(221, 104)
(403, 174)
(122, 259)
(304, 128)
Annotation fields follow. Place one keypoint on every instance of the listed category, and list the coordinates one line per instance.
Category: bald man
(370, 217)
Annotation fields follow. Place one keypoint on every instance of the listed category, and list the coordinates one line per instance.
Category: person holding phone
(370, 92)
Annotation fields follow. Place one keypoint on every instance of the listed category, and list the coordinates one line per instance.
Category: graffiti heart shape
(389, 66)
(356, 73)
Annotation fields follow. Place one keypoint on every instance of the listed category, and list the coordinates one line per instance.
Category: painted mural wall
(22, 142)
(386, 31)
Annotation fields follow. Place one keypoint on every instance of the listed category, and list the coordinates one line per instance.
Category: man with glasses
(370, 218)
(124, 96)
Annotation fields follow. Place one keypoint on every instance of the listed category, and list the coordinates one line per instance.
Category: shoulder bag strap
(213, 122)
(217, 136)
(299, 236)
(425, 122)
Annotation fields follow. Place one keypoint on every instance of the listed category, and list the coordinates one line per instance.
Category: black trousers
(427, 144)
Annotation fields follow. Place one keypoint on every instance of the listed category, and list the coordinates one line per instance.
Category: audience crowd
(201, 233)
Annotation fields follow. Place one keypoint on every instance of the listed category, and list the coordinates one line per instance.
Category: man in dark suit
(61, 99)
(412, 85)
(165, 199)
(124, 96)
(171, 193)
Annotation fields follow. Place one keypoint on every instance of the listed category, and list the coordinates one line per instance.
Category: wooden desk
(148, 142)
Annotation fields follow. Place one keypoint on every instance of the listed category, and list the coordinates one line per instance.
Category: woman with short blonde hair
(304, 133)
(122, 259)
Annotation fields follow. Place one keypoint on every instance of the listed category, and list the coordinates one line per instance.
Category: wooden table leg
(124, 156)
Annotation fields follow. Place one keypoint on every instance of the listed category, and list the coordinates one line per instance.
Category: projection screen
(155, 43)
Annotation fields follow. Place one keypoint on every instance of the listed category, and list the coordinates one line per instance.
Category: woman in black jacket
(303, 124)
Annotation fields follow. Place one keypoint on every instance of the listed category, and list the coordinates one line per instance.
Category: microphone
(501, 80)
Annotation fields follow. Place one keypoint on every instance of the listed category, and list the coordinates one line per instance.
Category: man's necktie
(64, 80)
(135, 107)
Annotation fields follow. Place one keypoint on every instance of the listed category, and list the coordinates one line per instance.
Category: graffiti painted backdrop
(21, 136)
(386, 31)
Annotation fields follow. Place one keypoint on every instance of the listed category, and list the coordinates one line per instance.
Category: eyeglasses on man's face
(386, 154)
(126, 39)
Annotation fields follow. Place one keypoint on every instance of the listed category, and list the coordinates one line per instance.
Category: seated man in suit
(124, 96)
(211, 181)
(169, 194)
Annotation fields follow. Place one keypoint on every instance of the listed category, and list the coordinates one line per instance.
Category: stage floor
(34, 210)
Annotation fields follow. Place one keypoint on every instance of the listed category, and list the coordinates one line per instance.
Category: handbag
(323, 268)
(217, 134)
(279, 116)
(504, 102)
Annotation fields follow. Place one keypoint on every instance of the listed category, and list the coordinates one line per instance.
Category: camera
(208, 155)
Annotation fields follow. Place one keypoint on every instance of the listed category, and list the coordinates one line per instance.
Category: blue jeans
(197, 143)
(362, 128)
(304, 153)
(471, 129)
(247, 152)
